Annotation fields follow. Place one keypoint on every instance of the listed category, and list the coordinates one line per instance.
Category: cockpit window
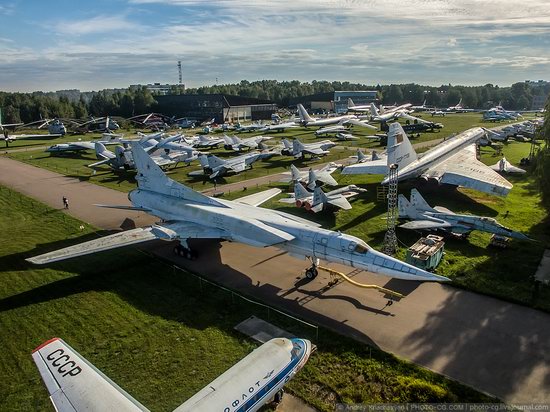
(361, 248)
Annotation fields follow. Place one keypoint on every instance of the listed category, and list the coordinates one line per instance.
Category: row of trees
(26, 107)
(542, 160)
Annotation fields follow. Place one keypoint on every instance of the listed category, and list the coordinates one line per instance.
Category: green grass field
(156, 332)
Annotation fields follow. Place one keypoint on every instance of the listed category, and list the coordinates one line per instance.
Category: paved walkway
(498, 347)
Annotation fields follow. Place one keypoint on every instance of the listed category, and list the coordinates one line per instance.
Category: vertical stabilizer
(304, 116)
(295, 173)
(150, 177)
(404, 206)
(319, 197)
(418, 202)
(215, 161)
(400, 149)
(351, 105)
(373, 110)
(297, 147)
(300, 192)
(360, 156)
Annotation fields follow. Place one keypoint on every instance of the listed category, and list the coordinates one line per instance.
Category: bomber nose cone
(390, 266)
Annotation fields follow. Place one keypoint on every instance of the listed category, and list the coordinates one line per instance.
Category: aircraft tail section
(351, 105)
(319, 198)
(360, 156)
(74, 384)
(151, 177)
(304, 116)
(373, 110)
(300, 192)
(418, 202)
(400, 149)
(215, 161)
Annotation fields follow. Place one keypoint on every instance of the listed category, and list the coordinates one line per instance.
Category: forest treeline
(27, 107)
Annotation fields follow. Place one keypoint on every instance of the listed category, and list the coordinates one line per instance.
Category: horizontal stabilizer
(137, 208)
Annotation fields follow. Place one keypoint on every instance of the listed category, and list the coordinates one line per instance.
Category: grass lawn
(154, 332)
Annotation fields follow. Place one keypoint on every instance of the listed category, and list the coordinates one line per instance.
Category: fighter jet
(106, 139)
(306, 120)
(213, 166)
(452, 162)
(504, 166)
(249, 127)
(319, 200)
(424, 217)
(312, 177)
(207, 141)
(376, 116)
(343, 126)
(122, 159)
(238, 144)
(75, 385)
(299, 149)
(187, 214)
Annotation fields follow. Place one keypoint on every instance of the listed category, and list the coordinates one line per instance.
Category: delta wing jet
(299, 149)
(187, 214)
(452, 162)
(425, 217)
(319, 200)
(75, 385)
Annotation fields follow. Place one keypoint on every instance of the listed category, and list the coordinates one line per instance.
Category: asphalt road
(498, 347)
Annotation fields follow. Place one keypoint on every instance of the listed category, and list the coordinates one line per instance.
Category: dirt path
(497, 347)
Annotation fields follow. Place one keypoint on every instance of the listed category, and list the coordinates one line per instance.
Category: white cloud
(94, 25)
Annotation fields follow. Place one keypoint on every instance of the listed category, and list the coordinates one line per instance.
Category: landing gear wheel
(311, 273)
(278, 396)
(184, 252)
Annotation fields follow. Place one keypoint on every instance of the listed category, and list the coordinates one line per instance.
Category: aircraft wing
(75, 385)
(34, 136)
(463, 169)
(126, 238)
(426, 224)
(101, 162)
(315, 150)
(373, 167)
(340, 202)
(258, 198)
(237, 167)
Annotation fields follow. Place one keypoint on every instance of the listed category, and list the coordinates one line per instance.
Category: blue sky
(52, 45)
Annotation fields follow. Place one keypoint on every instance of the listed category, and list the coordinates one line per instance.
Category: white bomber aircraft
(306, 120)
(75, 385)
(453, 162)
(186, 214)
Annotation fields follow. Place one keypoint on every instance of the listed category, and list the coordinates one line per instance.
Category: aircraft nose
(390, 266)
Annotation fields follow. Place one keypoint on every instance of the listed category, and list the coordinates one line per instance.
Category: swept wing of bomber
(453, 162)
(425, 217)
(187, 214)
(75, 385)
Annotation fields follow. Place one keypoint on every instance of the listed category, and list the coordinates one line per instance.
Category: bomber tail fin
(400, 149)
(304, 116)
(351, 105)
(373, 110)
(151, 177)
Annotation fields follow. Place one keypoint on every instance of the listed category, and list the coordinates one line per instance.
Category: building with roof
(220, 107)
(336, 101)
